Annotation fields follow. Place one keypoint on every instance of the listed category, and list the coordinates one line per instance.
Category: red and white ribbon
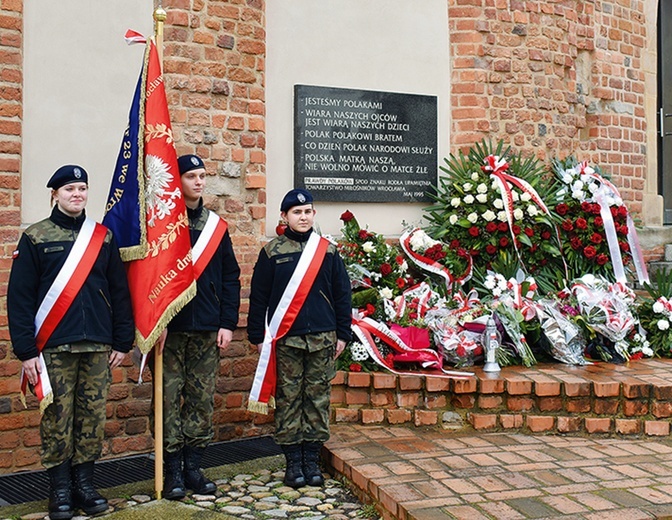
(432, 266)
(497, 168)
(367, 329)
(611, 234)
(132, 37)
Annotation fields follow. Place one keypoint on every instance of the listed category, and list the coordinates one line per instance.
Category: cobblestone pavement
(255, 497)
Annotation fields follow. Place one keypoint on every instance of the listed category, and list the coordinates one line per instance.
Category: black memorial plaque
(365, 146)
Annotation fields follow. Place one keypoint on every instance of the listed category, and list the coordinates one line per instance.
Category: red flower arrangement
(585, 244)
(377, 269)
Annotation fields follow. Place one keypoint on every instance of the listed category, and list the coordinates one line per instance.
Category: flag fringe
(46, 401)
(259, 407)
(139, 251)
(146, 344)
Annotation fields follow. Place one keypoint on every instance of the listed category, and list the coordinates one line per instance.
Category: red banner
(163, 281)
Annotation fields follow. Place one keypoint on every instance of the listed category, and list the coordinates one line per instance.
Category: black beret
(67, 175)
(187, 163)
(296, 197)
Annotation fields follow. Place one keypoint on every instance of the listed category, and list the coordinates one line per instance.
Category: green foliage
(660, 284)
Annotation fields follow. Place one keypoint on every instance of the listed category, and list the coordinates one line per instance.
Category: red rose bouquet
(590, 210)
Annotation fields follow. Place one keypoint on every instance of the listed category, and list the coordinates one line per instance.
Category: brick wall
(18, 435)
(553, 79)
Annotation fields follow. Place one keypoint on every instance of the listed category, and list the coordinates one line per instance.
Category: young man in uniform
(300, 314)
(195, 337)
(70, 321)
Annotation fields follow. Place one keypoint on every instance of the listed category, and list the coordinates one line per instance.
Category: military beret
(189, 162)
(67, 175)
(296, 197)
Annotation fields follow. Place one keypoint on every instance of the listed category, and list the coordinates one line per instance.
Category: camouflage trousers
(305, 368)
(190, 366)
(73, 426)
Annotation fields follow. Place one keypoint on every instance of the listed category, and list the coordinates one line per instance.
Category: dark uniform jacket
(328, 305)
(101, 312)
(217, 299)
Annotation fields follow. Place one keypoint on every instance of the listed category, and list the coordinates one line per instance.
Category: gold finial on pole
(160, 16)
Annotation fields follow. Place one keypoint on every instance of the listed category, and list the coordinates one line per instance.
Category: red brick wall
(553, 79)
(18, 435)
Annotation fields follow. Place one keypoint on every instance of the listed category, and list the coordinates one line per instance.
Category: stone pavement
(426, 474)
(244, 496)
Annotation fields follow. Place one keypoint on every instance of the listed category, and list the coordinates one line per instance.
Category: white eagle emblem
(160, 202)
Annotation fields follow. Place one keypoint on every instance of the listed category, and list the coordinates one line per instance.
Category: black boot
(84, 495)
(60, 492)
(173, 481)
(293, 473)
(194, 478)
(311, 463)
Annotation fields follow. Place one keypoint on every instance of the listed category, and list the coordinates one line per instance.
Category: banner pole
(159, 18)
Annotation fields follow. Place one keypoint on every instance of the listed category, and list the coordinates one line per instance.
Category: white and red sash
(201, 254)
(262, 394)
(208, 242)
(60, 296)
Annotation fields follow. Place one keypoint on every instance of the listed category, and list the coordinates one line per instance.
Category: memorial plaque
(365, 146)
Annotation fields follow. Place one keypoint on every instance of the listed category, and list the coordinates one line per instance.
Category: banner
(146, 210)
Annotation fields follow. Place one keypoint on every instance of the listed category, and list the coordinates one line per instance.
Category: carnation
(658, 307)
